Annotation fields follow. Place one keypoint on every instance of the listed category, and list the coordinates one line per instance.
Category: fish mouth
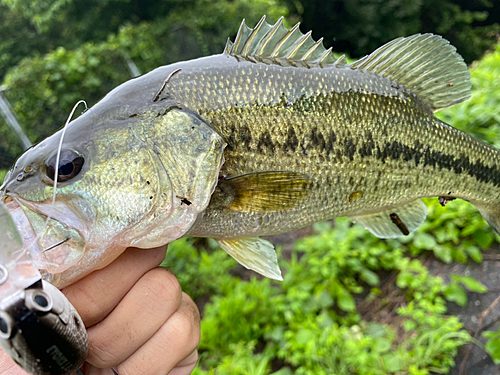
(16, 267)
(22, 223)
(54, 245)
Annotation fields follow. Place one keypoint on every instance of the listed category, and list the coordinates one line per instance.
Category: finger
(186, 366)
(98, 293)
(170, 345)
(8, 366)
(87, 369)
(146, 307)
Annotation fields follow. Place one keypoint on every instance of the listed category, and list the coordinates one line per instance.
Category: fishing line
(40, 235)
(60, 146)
(56, 174)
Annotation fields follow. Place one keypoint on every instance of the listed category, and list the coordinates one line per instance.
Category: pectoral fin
(268, 191)
(395, 222)
(253, 253)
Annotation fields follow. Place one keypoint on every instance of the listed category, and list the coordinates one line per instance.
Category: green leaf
(443, 253)
(493, 348)
(472, 284)
(483, 238)
(424, 241)
(304, 336)
(345, 300)
(369, 277)
(323, 299)
(283, 371)
(322, 226)
(475, 254)
(454, 293)
(459, 255)
(393, 362)
(409, 325)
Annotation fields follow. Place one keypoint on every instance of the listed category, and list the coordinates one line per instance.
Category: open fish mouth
(53, 245)
(17, 271)
(22, 224)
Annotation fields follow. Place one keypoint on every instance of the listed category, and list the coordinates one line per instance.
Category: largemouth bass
(272, 135)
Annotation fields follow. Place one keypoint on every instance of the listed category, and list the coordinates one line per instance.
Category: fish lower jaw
(23, 225)
(52, 245)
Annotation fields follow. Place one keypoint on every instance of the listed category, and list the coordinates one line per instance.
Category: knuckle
(162, 289)
(99, 354)
(191, 310)
(188, 323)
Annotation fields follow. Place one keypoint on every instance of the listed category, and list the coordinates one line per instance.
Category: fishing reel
(39, 328)
(42, 332)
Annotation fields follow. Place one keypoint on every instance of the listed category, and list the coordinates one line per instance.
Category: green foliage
(464, 24)
(493, 345)
(308, 324)
(241, 360)
(359, 26)
(19, 39)
(458, 233)
(39, 12)
(201, 273)
(480, 115)
(55, 82)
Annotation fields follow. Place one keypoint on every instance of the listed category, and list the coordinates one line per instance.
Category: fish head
(136, 180)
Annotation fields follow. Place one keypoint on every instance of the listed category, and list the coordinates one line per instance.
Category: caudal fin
(492, 216)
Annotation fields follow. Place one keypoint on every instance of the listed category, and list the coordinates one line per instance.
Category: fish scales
(270, 136)
(348, 130)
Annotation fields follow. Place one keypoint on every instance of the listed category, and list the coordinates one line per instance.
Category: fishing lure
(39, 328)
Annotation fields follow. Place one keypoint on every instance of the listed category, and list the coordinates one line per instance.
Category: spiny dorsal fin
(425, 64)
(275, 44)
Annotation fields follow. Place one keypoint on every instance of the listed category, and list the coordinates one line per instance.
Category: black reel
(42, 332)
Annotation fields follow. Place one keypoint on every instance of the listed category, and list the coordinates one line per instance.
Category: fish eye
(70, 164)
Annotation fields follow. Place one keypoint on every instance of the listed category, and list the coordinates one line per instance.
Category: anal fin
(395, 222)
(256, 254)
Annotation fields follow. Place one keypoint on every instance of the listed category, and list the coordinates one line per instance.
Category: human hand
(138, 320)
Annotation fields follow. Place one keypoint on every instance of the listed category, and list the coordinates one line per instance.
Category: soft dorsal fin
(425, 64)
(275, 44)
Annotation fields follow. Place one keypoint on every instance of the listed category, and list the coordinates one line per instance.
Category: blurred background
(350, 303)
(56, 52)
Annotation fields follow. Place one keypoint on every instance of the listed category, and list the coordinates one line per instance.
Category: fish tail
(492, 215)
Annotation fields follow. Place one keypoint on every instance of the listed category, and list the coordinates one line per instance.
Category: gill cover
(190, 155)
